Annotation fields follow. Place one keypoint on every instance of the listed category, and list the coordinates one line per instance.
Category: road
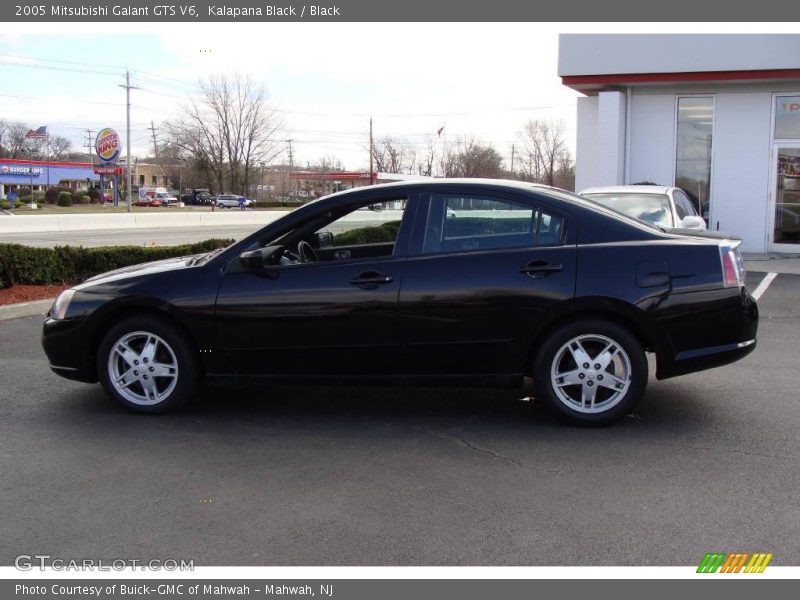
(154, 236)
(348, 476)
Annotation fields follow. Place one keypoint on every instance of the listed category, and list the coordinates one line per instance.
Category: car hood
(148, 268)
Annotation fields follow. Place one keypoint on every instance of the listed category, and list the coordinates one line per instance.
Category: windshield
(650, 208)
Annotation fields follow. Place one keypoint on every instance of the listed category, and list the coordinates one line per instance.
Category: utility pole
(512, 159)
(153, 129)
(291, 162)
(371, 178)
(89, 143)
(129, 177)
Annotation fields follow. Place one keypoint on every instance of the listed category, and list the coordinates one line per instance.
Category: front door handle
(371, 278)
(540, 268)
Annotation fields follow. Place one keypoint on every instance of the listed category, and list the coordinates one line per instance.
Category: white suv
(230, 201)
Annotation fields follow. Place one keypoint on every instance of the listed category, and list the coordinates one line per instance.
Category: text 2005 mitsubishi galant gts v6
(468, 282)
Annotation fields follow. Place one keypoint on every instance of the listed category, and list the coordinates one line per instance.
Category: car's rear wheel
(146, 365)
(591, 372)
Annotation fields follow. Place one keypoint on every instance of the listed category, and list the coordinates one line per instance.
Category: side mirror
(322, 239)
(693, 222)
(252, 259)
(260, 258)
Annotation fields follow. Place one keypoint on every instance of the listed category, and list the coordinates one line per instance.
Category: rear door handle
(540, 268)
(371, 278)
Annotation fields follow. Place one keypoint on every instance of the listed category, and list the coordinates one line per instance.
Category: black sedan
(468, 282)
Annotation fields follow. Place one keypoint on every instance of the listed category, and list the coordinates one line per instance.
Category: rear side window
(470, 223)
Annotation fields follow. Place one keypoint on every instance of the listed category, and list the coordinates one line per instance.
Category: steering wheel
(306, 252)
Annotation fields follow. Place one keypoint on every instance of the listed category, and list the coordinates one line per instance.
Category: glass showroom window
(787, 117)
(695, 121)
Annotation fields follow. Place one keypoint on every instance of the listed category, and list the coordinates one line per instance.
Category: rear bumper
(727, 333)
(691, 361)
(66, 344)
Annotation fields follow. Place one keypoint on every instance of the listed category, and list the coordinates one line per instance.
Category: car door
(483, 273)
(336, 316)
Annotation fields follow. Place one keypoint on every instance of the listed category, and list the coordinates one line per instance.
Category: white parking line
(762, 287)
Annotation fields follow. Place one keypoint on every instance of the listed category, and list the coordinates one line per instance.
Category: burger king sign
(107, 145)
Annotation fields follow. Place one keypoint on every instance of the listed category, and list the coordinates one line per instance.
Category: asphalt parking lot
(378, 476)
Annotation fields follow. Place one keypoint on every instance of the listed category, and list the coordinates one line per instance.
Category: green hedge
(476, 226)
(52, 194)
(72, 264)
(386, 232)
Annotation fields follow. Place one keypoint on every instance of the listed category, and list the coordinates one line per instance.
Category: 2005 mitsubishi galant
(469, 282)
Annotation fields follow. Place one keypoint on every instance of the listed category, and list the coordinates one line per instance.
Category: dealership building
(716, 115)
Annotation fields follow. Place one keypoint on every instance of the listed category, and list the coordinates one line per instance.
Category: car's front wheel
(147, 365)
(591, 372)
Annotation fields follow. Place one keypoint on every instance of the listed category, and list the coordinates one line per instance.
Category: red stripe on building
(757, 75)
(330, 175)
(45, 163)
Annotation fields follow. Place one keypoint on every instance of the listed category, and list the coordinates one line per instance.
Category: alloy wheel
(143, 368)
(591, 373)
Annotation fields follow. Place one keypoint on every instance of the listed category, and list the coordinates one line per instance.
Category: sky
(475, 80)
(478, 80)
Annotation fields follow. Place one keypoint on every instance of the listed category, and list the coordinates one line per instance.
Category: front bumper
(67, 346)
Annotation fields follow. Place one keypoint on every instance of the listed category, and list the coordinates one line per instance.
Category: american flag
(36, 134)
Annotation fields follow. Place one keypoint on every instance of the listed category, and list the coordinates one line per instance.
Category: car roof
(628, 189)
(431, 182)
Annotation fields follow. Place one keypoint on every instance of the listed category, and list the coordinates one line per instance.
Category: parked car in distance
(197, 197)
(667, 207)
(527, 281)
(166, 198)
(148, 201)
(230, 201)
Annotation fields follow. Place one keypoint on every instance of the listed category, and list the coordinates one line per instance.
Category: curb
(25, 309)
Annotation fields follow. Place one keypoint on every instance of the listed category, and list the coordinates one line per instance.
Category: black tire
(618, 405)
(185, 357)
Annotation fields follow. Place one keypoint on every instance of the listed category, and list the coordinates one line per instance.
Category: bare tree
(471, 158)
(544, 148)
(57, 147)
(426, 162)
(327, 164)
(393, 155)
(13, 143)
(230, 129)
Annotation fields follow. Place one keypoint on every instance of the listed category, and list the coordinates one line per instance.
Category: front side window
(463, 223)
(680, 209)
(377, 223)
(694, 127)
(684, 205)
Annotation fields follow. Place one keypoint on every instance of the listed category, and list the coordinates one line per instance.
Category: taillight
(732, 263)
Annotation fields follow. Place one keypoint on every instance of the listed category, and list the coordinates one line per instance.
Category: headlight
(60, 306)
